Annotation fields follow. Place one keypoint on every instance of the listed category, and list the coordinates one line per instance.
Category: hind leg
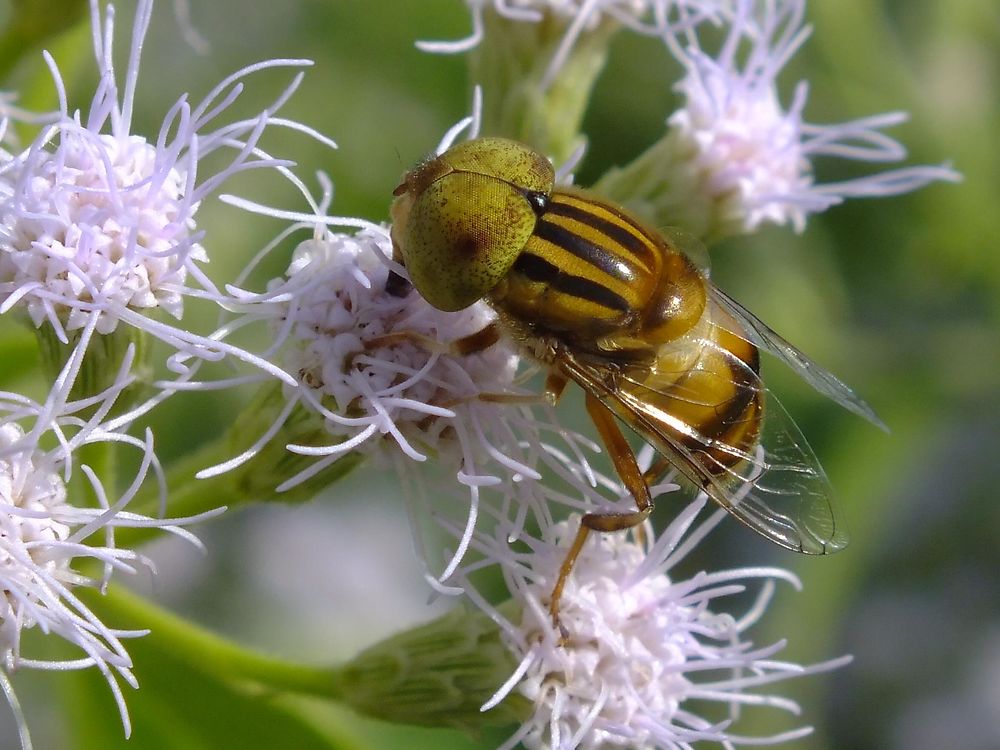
(632, 477)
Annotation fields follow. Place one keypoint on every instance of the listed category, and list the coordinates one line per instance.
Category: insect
(588, 290)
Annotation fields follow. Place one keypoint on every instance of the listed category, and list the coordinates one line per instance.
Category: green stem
(435, 675)
(511, 65)
(255, 480)
(208, 652)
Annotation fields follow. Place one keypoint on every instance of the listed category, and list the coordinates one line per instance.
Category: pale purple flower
(635, 645)
(99, 221)
(45, 537)
(744, 156)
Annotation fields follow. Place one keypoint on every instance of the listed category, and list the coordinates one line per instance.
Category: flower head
(98, 221)
(97, 225)
(637, 645)
(734, 158)
(46, 534)
(40, 538)
(578, 16)
(383, 359)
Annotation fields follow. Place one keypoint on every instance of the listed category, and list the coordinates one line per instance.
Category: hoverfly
(586, 289)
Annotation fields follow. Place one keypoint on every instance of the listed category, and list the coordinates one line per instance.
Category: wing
(776, 487)
(751, 329)
(758, 333)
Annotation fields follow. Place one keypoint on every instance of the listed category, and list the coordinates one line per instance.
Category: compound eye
(462, 235)
(461, 219)
(506, 160)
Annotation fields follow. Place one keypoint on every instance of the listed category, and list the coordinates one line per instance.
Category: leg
(476, 342)
(660, 466)
(555, 384)
(628, 471)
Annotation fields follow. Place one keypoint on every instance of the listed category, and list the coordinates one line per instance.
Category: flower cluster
(97, 221)
(751, 160)
(381, 358)
(98, 229)
(642, 645)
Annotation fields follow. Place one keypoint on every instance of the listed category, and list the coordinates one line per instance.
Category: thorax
(595, 279)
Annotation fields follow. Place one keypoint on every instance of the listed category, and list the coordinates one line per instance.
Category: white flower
(383, 358)
(97, 226)
(636, 645)
(45, 537)
(39, 541)
(575, 19)
(579, 15)
(98, 221)
(746, 156)
(376, 368)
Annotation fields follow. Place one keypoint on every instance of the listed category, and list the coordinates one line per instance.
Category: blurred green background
(900, 297)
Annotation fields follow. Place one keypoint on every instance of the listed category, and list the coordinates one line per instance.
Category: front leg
(555, 384)
(473, 343)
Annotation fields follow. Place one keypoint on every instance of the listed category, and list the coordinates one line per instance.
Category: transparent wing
(751, 329)
(777, 488)
(758, 333)
(691, 246)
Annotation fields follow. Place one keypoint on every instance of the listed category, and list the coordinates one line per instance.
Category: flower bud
(436, 675)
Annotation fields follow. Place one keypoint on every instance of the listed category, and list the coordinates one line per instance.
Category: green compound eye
(461, 219)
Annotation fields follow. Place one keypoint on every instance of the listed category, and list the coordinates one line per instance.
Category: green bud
(668, 187)
(436, 675)
(257, 479)
(511, 64)
(101, 364)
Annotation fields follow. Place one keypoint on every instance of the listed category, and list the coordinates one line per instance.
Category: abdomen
(713, 403)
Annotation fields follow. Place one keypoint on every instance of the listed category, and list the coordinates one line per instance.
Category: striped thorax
(599, 280)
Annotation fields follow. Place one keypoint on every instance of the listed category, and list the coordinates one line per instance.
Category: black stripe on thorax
(536, 268)
(584, 249)
(633, 239)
